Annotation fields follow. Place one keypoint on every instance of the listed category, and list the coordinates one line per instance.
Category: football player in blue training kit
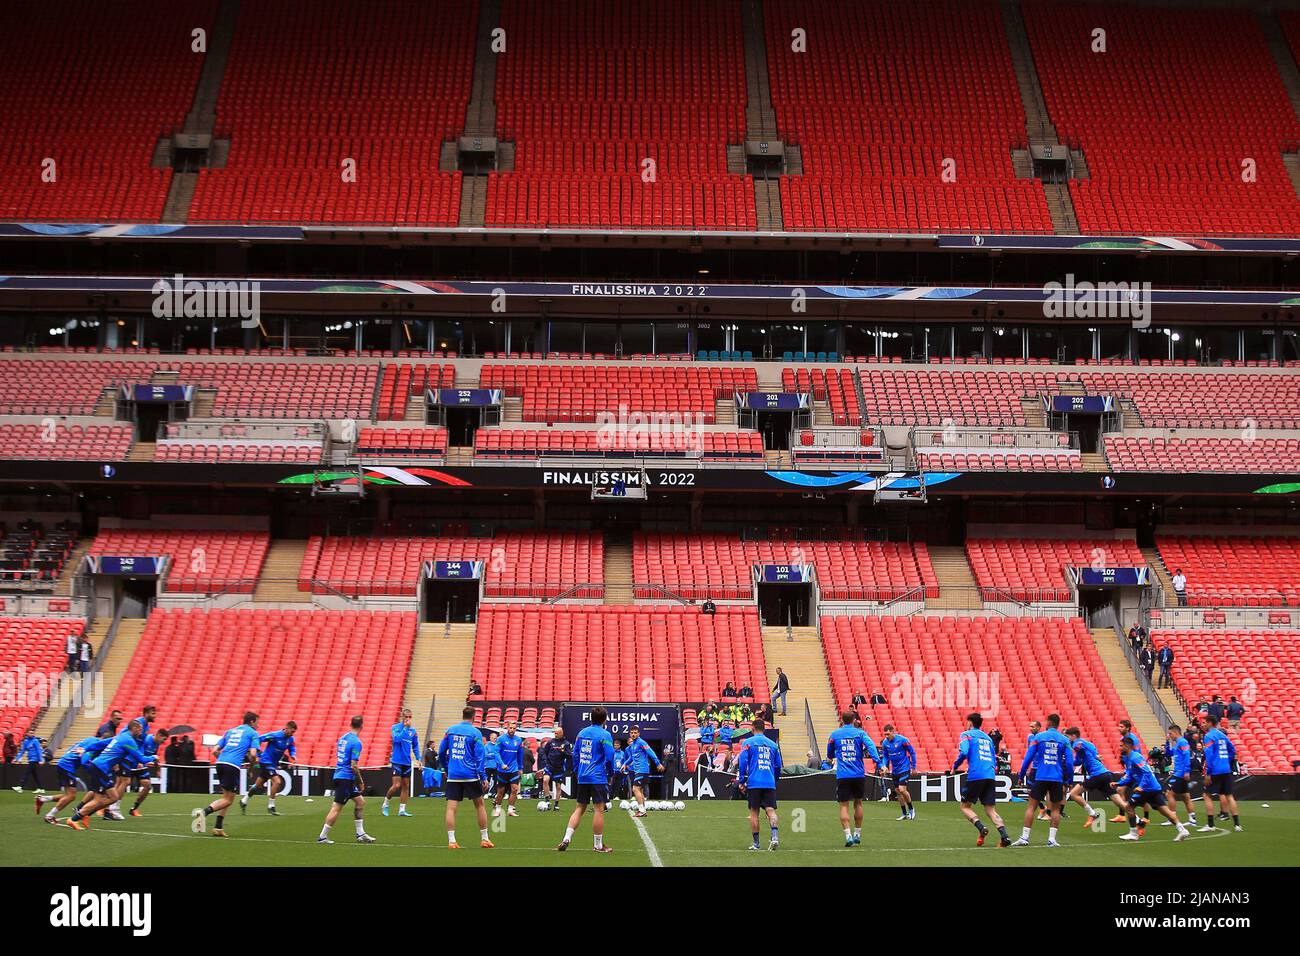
(1128, 732)
(758, 770)
(104, 768)
(348, 785)
(406, 750)
(900, 756)
(593, 762)
(142, 773)
(237, 745)
(1179, 784)
(640, 757)
(1220, 764)
(461, 755)
(510, 769)
(1146, 791)
(1098, 782)
(976, 750)
(277, 746)
(1052, 761)
(69, 783)
(848, 749)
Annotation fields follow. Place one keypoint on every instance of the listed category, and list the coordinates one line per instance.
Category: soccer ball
(679, 805)
(622, 804)
(543, 805)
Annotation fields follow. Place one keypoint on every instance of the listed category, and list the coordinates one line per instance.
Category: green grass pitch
(712, 833)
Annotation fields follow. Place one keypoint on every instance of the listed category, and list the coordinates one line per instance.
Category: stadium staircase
(798, 652)
(957, 588)
(1157, 565)
(724, 411)
(1094, 461)
(439, 675)
(618, 572)
(1111, 652)
(760, 117)
(106, 407)
(68, 574)
(278, 582)
(480, 114)
(142, 451)
(1038, 123)
(1035, 417)
(112, 667)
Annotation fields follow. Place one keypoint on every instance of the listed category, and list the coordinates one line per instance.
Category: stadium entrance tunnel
(449, 602)
(776, 428)
(782, 605)
(135, 597)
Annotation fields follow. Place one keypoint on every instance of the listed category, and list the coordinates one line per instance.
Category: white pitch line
(649, 843)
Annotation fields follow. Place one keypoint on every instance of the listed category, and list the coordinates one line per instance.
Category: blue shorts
(586, 793)
(506, 778)
(228, 777)
(68, 778)
(401, 770)
(101, 781)
(345, 789)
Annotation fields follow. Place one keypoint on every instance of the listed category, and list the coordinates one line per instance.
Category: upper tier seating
(516, 563)
(201, 561)
(1033, 569)
(315, 667)
(836, 387)
(1205, 399)
(1167, 116)
(1235, 571)
(885, 95)
(1013, 670)
(591, 89)
(402, 442)
(63, 386)
(285, 389)
(228, 451)
(1259, 668)
(1001, 459)
(580, 393)
(310, 85)
(1201, 454)
(400, 382)
(672, 654)
(37, 441)
(720, 566)
(531, 443)
(93, 93)
(893, 397)
(32, 554)
(37, 646)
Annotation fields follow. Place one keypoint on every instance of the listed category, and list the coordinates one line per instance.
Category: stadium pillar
(852, 510)
(697, 511)
(539, 508)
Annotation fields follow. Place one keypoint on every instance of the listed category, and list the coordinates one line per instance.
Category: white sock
(848, 834)
(116, 806)
(1051, 834)
(600, 840)
(52, 814)
(401, 808)
(451, 836)
(243, 801)
(641, 807)
(324, 831)
(1181, 828)
(482, 833)
(568, 834)
(857, 831)
(385, 803)
(1087, 808)
(271, 803)
(1024, 834)
(361, 826)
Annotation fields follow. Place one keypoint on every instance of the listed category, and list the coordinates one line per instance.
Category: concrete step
(957, 588)
(618, 573)
(1111, 652)
(142, 451)
(279, 579)
(799, 653)
(440, 669)
(512, 409)
(63, 584)
(724, 411)
(112, 668)
(106, 407)
(1157, 566)
(1035, 417)
(1094, 461)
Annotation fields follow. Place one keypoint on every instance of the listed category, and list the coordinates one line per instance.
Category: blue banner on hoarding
(159, 393)
(468, 397)
(454, 570)
(785, 573)
(1113, 577)
(775, 401)
(123, 564)
(658, 722)
(1085, 404)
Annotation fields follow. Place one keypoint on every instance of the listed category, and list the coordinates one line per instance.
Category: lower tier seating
(933, 671)
(201, 561)
(64, 442)
(1261, 669)
(688, 442)
(36, 645)
(1263, 455)
(671, 654)
(316, 667)
(1033, 569)
(1235, 571)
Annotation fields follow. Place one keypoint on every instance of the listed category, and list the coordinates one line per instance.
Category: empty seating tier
(721, 567)
(906, 115)
(315, 667)
(1205, 399)
(285, 389)
(1259, 668)
(669, 655)
(338, 118)
(1033, 569)
(69, 442)
(91, 94)
(219, 451)
(1235, 571)
(535, 442)
(200, 561)
(621, 115)
(30, 647)
(589, 393)
(1182, 119)
(63, 386)
(892, 397)
(400, 382)
(402, 442)
(516, 564)
(836, 387)
(933, 671)
(1203, 454)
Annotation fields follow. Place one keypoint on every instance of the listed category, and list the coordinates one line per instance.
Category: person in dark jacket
(1166, 661)
(1147, 660)
(780, 689)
